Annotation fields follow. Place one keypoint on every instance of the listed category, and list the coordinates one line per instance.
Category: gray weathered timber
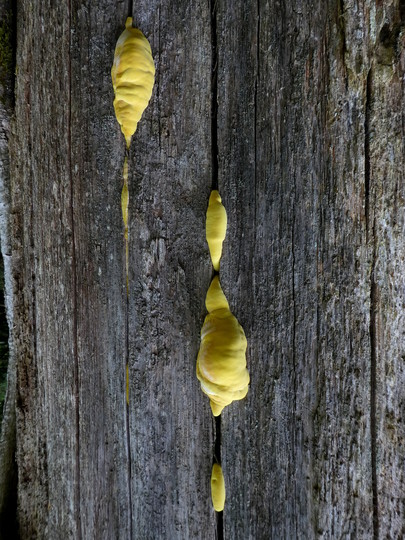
(310, 135)
(311, 158)
(386, 225)
(68, 262)
(170, 177)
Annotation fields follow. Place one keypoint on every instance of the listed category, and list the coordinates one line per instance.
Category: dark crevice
(217, 459)
(343, 45)
(367, 152)
(371, 235)
(8, 51)
(130, 8)
(126, 362)
(214, 95)
(215, 185)
(74, 280)
(373, 393)
(255, 99)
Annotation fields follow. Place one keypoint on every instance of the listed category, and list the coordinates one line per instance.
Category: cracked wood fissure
(214, 185)
(74, 285)
(371, 238)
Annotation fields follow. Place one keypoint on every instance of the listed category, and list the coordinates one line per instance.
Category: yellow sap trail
(124, 208)
(133, 77)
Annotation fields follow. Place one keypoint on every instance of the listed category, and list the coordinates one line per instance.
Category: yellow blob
(215, 227)
(221, 361)
(217, 488)
(133, 75)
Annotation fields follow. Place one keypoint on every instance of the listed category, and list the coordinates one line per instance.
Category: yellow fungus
(133, 75)
(221, 361)
(215, 227)
(217, 488)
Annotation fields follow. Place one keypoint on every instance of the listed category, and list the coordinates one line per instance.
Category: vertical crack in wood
(294, 332)
(367, 153)
(214, 95)
(255, 101)
(126, 363)
(371, 235)
(217, 459)
(342, 29)
(74, 280)
(214, 173)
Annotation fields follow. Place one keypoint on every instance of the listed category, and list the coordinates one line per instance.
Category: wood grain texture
(171, 425)
(69, 272)
(311, 452)
(310, 131)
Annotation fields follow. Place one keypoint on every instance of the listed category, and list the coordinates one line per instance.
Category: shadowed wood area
(295, 111)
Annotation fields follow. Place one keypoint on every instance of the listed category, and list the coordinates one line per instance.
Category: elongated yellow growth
(215, 227)
(133, 75)
(124, 208)
(217, 488)
(221, 361)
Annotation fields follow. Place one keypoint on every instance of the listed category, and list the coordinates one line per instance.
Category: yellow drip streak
(124, 208)
(133, 76)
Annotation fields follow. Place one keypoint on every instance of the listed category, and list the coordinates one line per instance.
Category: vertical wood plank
(68, 267)
(100, 302)
(386, 233)
(46, 442)
(297, 452)
(169, 182)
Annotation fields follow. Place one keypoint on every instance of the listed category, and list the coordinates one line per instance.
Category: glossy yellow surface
(133, 75)
(217, 488)
(215, 227)
(221, 361)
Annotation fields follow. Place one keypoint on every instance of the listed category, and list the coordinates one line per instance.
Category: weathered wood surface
(169, 270)
(310, 167)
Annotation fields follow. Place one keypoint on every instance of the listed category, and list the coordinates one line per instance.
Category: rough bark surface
(296, 111)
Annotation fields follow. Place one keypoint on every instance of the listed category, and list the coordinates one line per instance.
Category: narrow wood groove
(371, 235)
(126, 363)
(74, 282)
(367, 152)
(255, 100)
(214, 95)
(215, 185)
(217, 459)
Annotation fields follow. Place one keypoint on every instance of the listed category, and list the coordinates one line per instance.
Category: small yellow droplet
(217, 488)
(215, 227)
